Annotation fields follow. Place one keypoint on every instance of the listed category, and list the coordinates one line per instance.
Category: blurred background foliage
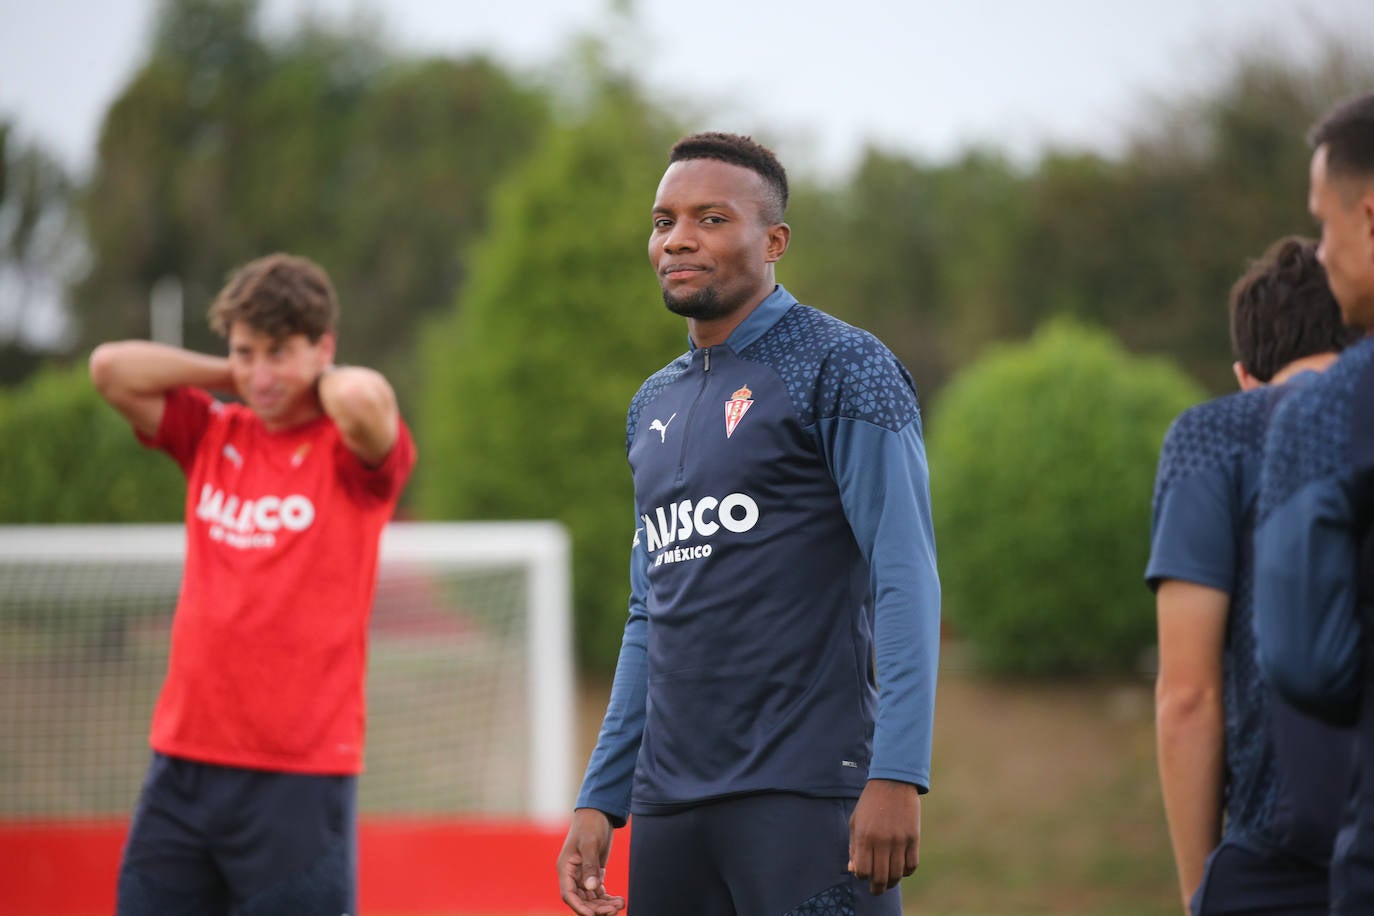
(485, 230)
(69, 458)
(528, 380)
(1045, 454)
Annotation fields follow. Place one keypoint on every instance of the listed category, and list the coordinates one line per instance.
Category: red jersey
(269, 641)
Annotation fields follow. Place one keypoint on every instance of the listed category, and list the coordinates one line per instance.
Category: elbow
(361, 421)
(360, 400)
(102, 367)
(363, 407)
(1178, 706)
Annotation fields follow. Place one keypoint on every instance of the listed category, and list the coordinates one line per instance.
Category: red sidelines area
(411, 866)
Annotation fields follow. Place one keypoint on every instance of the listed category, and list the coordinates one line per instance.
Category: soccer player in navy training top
(1226, 745)
(1314, 556)
(770, 720)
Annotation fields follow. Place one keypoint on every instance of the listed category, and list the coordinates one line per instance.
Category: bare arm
(134, 376)
(361, 403)
(1189, 721)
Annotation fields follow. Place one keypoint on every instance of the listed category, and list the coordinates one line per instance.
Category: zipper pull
(707, 359)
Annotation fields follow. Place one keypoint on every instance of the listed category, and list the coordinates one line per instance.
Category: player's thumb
(589, 872)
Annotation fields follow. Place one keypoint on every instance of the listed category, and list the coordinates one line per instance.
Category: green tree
(40, 252)
(171, 153)
(429, 141)
(1042, 458)
(914, 253)
(1149, 245)
(527, 382)
(228, 144)
(941, 259)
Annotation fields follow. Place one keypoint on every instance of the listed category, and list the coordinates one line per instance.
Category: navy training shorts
(210, 840)
(1241, 880)
(777, 854)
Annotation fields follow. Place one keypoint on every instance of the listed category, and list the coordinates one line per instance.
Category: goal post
(470, 678)
(542, 551)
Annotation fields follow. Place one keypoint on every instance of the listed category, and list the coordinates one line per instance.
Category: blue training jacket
(1314, 582)
(783, 632)
(1307, 541)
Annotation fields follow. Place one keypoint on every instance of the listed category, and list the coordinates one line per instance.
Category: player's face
(1345, 210)
(710, 247)
(276, 376)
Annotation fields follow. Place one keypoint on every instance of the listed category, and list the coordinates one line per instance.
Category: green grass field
(1045, 800)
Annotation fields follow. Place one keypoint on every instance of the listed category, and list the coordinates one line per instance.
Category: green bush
(1042, 462)
(69, 457)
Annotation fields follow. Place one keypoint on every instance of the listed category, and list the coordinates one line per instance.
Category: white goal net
(469, 686)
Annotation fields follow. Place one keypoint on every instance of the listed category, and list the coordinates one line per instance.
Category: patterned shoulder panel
(1310, 433)
(832, 369)
(1212, 435)
(649, 390)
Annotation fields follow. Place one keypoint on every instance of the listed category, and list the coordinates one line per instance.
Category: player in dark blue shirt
(1251, 824)
(1314, 549)
(769, 726)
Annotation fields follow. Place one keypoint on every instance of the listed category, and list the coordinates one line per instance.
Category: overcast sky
(819, 79)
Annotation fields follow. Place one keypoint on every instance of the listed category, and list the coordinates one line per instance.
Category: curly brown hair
(278, 295)
(1282, 310)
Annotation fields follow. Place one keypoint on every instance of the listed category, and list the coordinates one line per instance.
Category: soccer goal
(470, 684)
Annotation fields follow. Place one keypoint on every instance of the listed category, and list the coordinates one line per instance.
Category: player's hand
(885, 834)
(582, 865)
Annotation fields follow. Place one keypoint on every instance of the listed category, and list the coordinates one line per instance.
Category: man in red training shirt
(249, 802)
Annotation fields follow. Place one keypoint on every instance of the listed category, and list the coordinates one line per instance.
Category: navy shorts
(756, 855)
(211, 840)
(1241, 880)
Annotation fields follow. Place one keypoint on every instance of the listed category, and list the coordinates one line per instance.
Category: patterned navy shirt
(784, 612)
(1285, 772)
(1203, 515)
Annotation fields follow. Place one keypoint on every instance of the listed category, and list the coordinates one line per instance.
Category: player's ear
(779, 234)
(1367, 211)
(327, 345)
(1244, 379)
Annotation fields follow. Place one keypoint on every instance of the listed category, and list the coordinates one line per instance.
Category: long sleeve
(884, 486)
(1306, 557)
(609, 776)
(1306, 617)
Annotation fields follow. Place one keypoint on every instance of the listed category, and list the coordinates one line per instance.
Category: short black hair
(743, 151)
(1282, 309)
(1347, 132)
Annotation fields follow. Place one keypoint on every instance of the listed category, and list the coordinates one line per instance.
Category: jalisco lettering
(264, 514)
(736, 513)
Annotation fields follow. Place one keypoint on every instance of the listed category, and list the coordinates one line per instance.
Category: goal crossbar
(540, 550)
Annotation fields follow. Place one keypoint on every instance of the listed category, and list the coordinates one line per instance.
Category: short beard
(703, 305)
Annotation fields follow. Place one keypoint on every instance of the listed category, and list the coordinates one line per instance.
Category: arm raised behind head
(361, 403)
(134, 376)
